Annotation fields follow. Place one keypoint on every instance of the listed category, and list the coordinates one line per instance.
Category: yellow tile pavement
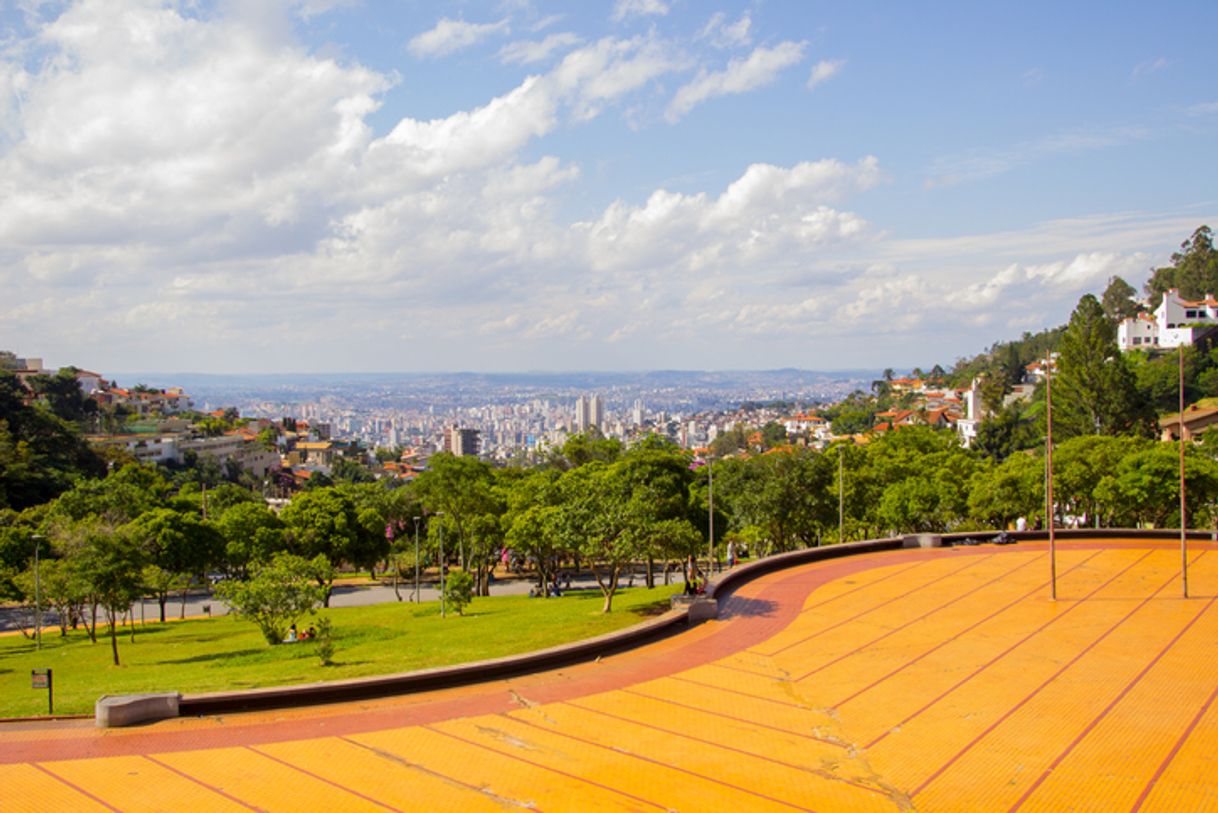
(936, 682)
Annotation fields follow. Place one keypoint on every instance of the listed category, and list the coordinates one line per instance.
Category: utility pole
(416, 559)
(841, 494)
(440, 531)
(37, 595)
(1183, 535)
(710, 475)
(1049, 475)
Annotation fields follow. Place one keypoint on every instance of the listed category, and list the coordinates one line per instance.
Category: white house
(1175, 322)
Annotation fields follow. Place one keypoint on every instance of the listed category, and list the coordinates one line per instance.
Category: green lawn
(225, 653)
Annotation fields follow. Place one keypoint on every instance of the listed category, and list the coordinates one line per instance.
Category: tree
(458, 590)
(596, 519)
(322, 523)
(462, 489)
(1094, 390)
(179, 544)
(1194, 269)
(277, 595)
(1014, 488)
(40, 453)
(252, 535)
(110, 563)
(1118, 300)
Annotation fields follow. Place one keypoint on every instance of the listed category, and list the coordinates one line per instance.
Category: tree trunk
(608, 587)
(162, 599)
(113, 635)
(93, 626)
(651, 572)
(184, 594)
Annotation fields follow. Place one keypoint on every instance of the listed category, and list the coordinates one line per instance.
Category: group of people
(293, 636)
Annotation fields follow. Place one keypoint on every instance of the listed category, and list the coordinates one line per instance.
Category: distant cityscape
(513, 414)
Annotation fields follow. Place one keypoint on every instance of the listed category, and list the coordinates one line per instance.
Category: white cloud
(452, 35)
(623, 9)
(723, 35)
(822, 71)
(768, 213)
(981, 164)
(760, 68)
(1203, 109)
(1149, 66)
(527, 52)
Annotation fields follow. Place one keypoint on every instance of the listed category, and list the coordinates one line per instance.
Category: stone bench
(700, 608)
(113, 711)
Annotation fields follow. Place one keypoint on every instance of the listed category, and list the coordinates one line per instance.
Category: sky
(251, 186)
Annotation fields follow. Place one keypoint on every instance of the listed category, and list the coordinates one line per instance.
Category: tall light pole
(416, 559)
(1049, 475)
(37, 595)
(710, 476)
(841, 494)
(440, 531)
(1183, 535)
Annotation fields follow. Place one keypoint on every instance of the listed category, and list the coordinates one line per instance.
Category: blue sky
(323, 185)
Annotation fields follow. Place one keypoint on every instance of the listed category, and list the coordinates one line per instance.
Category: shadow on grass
(215, 656)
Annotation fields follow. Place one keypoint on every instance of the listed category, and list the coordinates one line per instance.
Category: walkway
(924, 679)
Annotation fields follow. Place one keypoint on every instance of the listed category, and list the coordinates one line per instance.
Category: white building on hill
(1175, 322)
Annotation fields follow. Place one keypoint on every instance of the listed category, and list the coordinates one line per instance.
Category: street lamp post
(416, 559)
(37, 595)
(710, 475)
(441, 535)
(1183, 533)
(1049, 476)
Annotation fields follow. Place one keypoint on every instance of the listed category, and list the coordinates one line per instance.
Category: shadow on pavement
(740, 607)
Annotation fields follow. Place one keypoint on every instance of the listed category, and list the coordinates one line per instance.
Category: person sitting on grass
(292, 638)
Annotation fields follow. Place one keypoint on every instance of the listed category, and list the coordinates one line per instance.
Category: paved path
(922, 679)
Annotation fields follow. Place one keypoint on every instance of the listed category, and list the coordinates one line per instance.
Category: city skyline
(330, 185)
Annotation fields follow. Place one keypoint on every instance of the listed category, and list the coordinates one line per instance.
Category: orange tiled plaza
(934, 680)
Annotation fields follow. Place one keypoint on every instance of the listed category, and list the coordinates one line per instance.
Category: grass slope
(202, 655)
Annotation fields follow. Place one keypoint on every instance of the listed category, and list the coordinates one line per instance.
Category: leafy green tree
(180, 544)
(118, 499)
(462, 488)
(1145, 486)
(110, 564)
(278, 595)
(458, 590)
(61, 392)
(1094, 391)
(1011, 489)
(533, 521)
(1081, 463)
(1008, 430)
(596, 519)
(582, 449)
(41, 454)
(1194, 270)
(346, 470)
(1118, 300)
(323, 523)
(252, 534)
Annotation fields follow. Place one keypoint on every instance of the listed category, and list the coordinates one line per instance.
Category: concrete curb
(436, 678)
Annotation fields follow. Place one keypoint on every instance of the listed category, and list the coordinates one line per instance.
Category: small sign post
(44, 679)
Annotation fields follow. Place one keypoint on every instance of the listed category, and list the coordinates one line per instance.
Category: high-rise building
(589, 412)
(462, 442)
(581, 414)
(596, 408)
(636, 414)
